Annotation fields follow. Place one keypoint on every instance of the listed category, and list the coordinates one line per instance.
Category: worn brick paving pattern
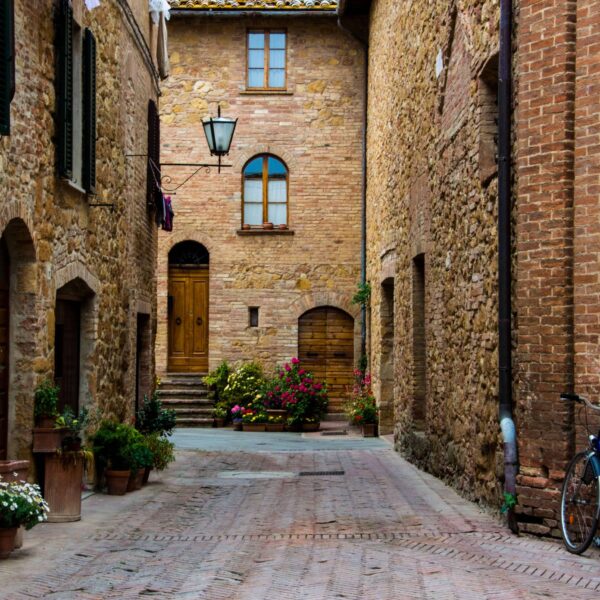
(382, 530)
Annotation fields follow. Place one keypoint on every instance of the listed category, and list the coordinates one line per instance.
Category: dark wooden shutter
(7, 63)
(153, 176)
(89, 112)
(64, 88)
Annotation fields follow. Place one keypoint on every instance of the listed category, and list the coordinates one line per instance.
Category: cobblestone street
(354, 522)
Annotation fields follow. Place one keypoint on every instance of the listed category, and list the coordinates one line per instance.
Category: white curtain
(278, 214)
(277, 190)
(253, 202)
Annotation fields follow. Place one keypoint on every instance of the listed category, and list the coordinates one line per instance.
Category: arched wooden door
(188, 308)
(326, 349)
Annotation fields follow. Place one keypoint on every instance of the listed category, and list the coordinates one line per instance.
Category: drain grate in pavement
(320, 473)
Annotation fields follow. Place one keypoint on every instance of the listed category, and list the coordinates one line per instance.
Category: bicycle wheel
(579, 505)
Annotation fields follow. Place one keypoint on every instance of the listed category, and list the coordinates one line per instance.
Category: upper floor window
(266, 59)
(265, 191)
(76, 100)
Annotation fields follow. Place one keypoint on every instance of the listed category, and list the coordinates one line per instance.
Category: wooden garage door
(326, 349)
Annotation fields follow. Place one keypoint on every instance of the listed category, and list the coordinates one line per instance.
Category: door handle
(199, 321)
(178, 321)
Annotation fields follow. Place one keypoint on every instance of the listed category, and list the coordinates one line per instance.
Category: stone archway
(187, 308)
(21, 348)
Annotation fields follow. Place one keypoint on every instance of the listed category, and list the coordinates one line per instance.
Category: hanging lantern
(219, 134)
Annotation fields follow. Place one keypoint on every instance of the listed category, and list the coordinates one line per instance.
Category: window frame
(266, 61)
(265, 188)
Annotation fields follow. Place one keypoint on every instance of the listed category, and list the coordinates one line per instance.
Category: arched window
(265, 191)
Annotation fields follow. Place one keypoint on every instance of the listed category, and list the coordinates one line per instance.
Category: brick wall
(316, 129)
(56, 238)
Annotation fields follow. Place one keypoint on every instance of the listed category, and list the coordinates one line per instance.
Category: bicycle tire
(579, 505)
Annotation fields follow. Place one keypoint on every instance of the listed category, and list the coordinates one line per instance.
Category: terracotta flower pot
(146, 475)
(254, 427)
(237, 424)
(219, 422)
(45, 422)
(62, 486)
(282, 227)
(135, 480)
(48, 439)
(7, 541)
(275, 412)
(116, 482)
(369, 429)
(275, 426)
(311, 426)
(268, 226)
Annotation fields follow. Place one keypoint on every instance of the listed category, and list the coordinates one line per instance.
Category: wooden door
(188, 320)
(4, 318)
(67, 353)
(326, 349)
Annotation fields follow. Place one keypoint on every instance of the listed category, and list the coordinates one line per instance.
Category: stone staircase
(188, 397)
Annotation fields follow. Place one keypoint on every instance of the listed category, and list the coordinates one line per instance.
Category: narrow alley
(312, 518)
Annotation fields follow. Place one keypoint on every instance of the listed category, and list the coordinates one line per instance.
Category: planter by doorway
(7, 541)
(254, 427)
(369, 430)
(116, 482)
(308, 427)
(277, 427)
(63, 474)
(146, 475)
(48, 439)
(237, 424)
(135, 480)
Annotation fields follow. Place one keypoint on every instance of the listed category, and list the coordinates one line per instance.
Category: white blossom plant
(21, 503)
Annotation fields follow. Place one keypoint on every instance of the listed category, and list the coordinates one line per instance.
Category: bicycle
(580, 497)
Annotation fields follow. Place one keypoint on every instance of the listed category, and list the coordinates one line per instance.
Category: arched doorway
(326, 349)
(4, 346)
(188, 308)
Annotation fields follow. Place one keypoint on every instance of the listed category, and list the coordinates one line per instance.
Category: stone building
(294, 81)
(78, 242)
(432, 246)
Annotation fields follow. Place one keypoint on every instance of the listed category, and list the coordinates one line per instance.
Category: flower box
(276, 427)
(310, 427)
(63, 475)
(48, 439)
(254, 427)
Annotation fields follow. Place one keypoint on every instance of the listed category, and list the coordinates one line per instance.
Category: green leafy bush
(46, 399)
(153, 418)
(217, 380)
(140, 456)
(362, 407)
(163, 451)
(112, 446)
(244, 385)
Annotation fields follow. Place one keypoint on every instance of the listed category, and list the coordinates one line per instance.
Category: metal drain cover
(257, 475)
(320, 473)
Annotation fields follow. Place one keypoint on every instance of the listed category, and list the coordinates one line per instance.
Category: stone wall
(432, 190)
(315, 128)
(56, 238)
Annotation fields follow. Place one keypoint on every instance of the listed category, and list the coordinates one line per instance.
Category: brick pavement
(246, 526)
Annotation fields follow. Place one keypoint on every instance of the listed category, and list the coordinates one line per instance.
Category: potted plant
(254, 420)
(237, 413)
(244, 385)
(275, 423)
(112, 450)
(219, 415)
(153, 418)
(47, 435)
(163, 453)
(140, 458)
(362, 407)
(22, 505)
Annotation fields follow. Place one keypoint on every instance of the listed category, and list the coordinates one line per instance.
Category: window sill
(74, 186)
(265, 232)
(266, 93)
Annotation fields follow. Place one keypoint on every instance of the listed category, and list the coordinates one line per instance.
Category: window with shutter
(64, 88)
(89, 113)
(7, 63)
(153, 175)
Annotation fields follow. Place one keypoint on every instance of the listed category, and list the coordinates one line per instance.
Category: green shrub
(217, 380)
(163, 451)
(244, 385)
(153, 418)
(140, 456)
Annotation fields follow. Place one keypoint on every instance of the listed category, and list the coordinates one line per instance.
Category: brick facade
(315, 128)
(61, 245)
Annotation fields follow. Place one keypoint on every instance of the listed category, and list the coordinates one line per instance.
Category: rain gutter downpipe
(507, 424)
(363, 224)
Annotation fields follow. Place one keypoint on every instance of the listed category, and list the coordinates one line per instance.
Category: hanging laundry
(169, 214)
(160, 209)
(91, 4)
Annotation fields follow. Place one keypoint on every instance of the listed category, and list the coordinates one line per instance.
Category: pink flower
(287, 367)
(295, 361)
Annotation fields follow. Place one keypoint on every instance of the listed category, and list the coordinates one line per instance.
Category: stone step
(195, 410)
(194, 422)
(183, 393)
(182, 383)
(183, 402)
(335, 416)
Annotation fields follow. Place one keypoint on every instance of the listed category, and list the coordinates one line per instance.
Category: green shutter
(89, 112)
(64, 88)
(7, 63)
(153, 176)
